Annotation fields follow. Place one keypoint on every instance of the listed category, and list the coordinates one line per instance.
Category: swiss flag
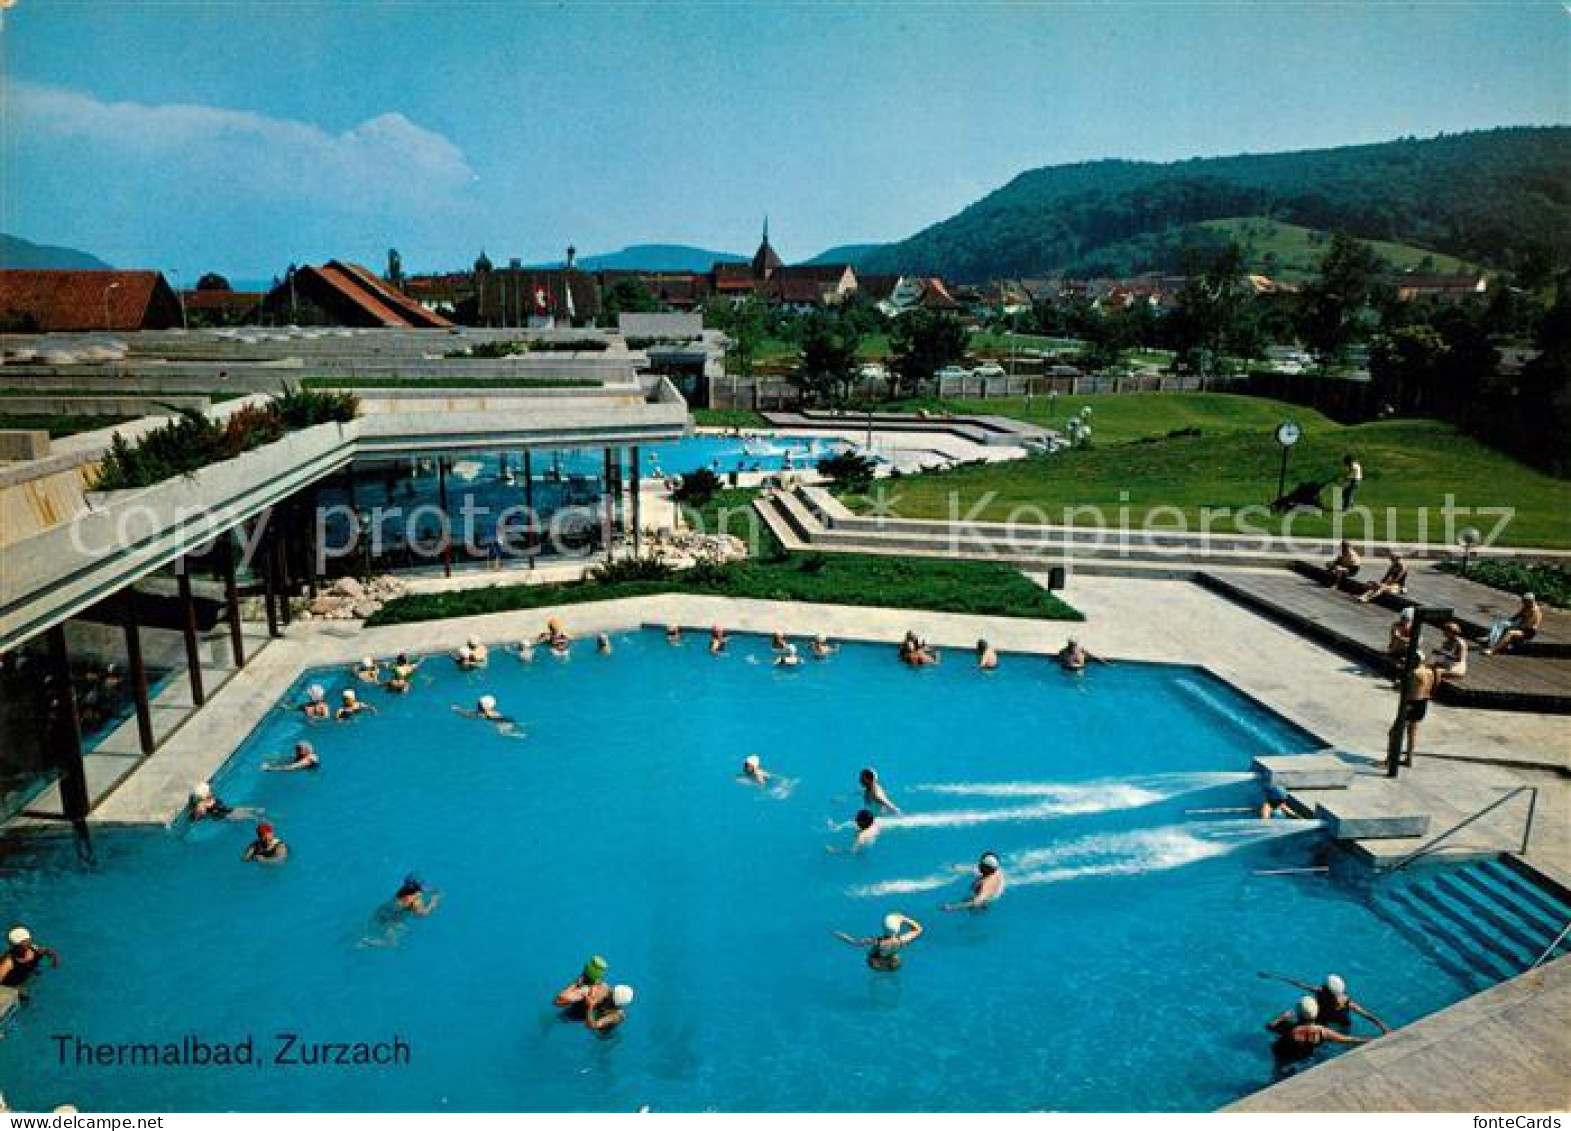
(542, 300)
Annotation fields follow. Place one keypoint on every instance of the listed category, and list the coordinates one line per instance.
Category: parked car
(989, 369)
(952, 373)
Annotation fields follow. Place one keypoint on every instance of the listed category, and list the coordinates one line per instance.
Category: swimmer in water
(717, 640)
(589, 986)
(402, 676)
(821, 648)
(883, 951)
(267, 848)
(986, 656)
(603, 1015)
(1335, 1005)
(1074, 656)
(368, 671)
(673, 634)
(315, 705)
(554, 636)
(23, 959)
(485, 708)
(873, 795)
(603, 644)
(472, 655)
(788, 658)
(351, 706)
(778, 642)
(526, 652)
(205, 805)
(867, 831)
(1299, 1035)
(391, 919)
(411, 898)
(753, 770)
(304, 759)
(986, 887)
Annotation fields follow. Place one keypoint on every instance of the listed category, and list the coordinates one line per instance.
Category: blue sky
(241, 136)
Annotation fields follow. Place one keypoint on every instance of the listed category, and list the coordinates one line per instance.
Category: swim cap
(201, 789)
(488, 703)
(1335, 985)
(264, 830)
(595, 968)
(1308, 1008)
(349, 695)
(988, 862)
(892, 923)
(18, 936)
(463, 652)
(790, 649)
(820, 639)
(315, 692)
(367, 662)
(864, 818)
(622, 996)
(751, 761)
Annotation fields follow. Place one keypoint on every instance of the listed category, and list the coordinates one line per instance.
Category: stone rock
(363, 609)
(348, 587)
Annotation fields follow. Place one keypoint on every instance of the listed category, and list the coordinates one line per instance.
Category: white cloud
(385, 159)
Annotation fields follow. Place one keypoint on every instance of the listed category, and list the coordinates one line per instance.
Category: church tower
(765, 261)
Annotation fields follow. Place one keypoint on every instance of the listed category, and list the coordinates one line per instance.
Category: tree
(745, 324)
(1402, 363)
(629, 294)
(1544, 393)
(1211, 315)
(213, 281)
(829, 346)
(923, 342)
(1336, 303)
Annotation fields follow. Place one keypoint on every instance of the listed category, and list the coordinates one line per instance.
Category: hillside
(657, 257)
(1499, 198)
(17, 254)
(852, 253)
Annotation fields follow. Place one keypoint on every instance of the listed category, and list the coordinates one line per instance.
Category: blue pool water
(1118, 971)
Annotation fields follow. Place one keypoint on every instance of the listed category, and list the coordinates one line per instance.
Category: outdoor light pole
(1469, 538)
(1421, 616)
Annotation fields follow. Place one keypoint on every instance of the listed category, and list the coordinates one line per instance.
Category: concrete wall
(23, 444)
(66, 405)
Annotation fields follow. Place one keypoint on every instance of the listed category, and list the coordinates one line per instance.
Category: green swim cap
(595, 968)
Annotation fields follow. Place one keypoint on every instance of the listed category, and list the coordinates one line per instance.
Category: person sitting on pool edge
(873, 795)
(1336, 1007)
(986, 656)
(1401, 632)
(205, 805)
(1343, 567)
(603, 1017)
(753, 770)
(367, 671)
(717, 640)
(1393, 581)
(588, 986)
(1299, 1035)
(1522, 627)
(23, 958)
(352, 706)
(986, 886)
(400, 680)
(304, 759)
(883, 951)
(1450, 659)
(267, 847)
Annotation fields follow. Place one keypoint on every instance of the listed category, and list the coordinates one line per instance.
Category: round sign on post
(1288, 433)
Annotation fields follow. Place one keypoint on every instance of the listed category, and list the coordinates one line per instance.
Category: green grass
(1121, 417)
(1297, 251)
(58, 426)
(1409, 465)
(1550, 582)
(502, 383)
(728, 418)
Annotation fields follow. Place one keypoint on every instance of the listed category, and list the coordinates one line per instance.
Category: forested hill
(1501, 198)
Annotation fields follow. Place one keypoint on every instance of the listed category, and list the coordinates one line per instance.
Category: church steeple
(765, 261)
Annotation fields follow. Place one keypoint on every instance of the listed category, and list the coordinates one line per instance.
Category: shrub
(624, 570)
(848, 470)
(494, 349)
(698, 488)
(1549, 582)
(303, 408)
(570, 345)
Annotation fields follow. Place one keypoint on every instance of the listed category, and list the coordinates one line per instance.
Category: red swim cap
(264, 830)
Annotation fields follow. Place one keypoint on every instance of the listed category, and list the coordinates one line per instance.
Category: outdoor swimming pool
(1118, 971)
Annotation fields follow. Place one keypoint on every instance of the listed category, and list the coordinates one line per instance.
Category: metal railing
(1433, 843)
(1550, 949)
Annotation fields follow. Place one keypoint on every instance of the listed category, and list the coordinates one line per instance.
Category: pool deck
(1171, 621)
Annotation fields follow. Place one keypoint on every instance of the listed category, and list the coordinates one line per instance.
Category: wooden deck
(1538, 683)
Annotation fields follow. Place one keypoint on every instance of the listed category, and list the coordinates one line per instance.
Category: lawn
(728, 418)
(1410, 466)
(501, 383)
(1121, 417)
(1291, 252)
(58, 425)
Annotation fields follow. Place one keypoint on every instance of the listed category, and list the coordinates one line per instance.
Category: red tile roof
(88, 300)
(399, 309)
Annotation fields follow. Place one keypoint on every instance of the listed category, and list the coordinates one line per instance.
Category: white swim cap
(18, 936)
(304, 747)
(990, 861)
(892, 923)
(201, 789)
(488, 702)
(1335, 985)
(316, 692)
(790, 649)
(1308, 1008)
(367, 662)
(622, 996)
(349, 695)
(463, 652)
(751, 761)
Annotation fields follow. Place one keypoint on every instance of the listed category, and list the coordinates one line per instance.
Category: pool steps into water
(1483, 922)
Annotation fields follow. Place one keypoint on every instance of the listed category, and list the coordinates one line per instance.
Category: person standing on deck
(1353, 479)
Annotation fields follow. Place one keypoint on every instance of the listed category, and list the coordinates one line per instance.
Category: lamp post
(1427, 614)
(363, 521)
(1469, 539)
(110, 287)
